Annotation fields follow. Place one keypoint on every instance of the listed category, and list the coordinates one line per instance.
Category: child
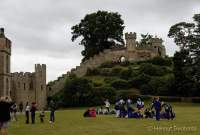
(42, 115)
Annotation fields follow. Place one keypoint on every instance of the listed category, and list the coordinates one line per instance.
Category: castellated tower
(30, 87)
(5, 53)
(130, 41)
(158, 48)
(40, 85)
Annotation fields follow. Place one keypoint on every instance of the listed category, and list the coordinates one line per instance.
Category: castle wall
(131, 53)
(30, 87)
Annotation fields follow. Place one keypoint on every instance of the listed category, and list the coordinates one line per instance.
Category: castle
(21, 87)
(131, 51)
(31, 87)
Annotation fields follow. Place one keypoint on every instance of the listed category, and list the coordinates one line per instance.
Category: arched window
(122, 59)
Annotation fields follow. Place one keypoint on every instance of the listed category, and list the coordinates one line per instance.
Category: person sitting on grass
(168, 113)
(140, 104)
(148, 113)
(91, 112)
(100, 110)
(42, 115)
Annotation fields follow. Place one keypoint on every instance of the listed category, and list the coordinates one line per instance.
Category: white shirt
(28, 108)
(107, 104)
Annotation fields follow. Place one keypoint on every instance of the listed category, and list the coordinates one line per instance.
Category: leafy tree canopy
(100, 30)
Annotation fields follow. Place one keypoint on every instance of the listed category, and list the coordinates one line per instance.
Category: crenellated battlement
(131, 35)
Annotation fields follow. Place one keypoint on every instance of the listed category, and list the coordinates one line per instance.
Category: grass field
(71, 122)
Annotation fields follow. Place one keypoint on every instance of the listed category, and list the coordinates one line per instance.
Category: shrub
(140, 80)
(108, 64)
(151, 69)
(91, 72)
(99, 94)
(120, 84)
(126, 73)
(162, 61)
(116, 71)
(125, 63)
(106, 72)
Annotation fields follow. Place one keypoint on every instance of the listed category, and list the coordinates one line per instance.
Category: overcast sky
(40, 29)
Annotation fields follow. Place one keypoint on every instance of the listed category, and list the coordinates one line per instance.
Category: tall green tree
(100, 30)
(187, 60)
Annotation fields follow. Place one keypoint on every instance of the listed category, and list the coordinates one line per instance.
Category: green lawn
(71, 122)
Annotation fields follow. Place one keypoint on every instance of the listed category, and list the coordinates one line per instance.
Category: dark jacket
(5, 111)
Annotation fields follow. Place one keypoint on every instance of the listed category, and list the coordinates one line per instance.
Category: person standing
(128, 106)
(121, 108)
(5, 105)
(33, 110)
(107, 105)
(14, 112)
(52, 107)
(27, 111)
(21, 107)
(157, 106)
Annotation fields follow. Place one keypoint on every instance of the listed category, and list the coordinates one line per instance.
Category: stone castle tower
(130, 41)
(5, 53)
(20, 86)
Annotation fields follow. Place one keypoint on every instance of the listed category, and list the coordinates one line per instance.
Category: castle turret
(130, 41)
(40, 85)
(5, 53)
(157, 46)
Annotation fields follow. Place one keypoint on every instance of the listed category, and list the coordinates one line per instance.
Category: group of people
(126, 108)
(9, 109)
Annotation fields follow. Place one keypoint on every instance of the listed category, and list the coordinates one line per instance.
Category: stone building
(131, 51)
(21, 87)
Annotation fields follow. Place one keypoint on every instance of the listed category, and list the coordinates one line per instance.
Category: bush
(91, 72)
(125, 63)
(151, 69)
(162, 61)
(126, 73)
(99, 94)
(108, 64)
(120, 84)
(116, 71)
(139, 80)
(106, 72)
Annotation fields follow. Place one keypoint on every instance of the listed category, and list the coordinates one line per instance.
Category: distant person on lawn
(21, 107)
(107, 105)
(5, 105)
(27, 111)
(157, 106)
(52, 107)
(42, 115)
(33, 110)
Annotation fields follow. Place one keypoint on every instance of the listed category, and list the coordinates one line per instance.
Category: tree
(145, 40)
(100, 30)
(187, 60)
